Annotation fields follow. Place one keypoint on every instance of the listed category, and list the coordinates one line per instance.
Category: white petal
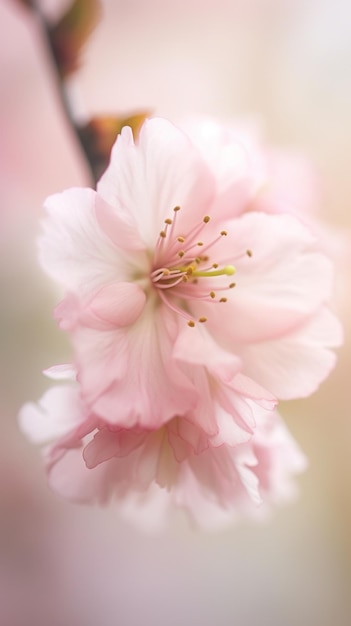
(65, 371)
(57, 412)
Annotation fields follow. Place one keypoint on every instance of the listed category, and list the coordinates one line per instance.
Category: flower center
(179, 272)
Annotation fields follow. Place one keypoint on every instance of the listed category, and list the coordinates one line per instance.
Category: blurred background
(287, 65)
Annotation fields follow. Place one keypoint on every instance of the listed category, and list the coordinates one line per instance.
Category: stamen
(176, 309)
(185, 266)
(223, 233)
(249, 253)
(173, 284)
(169, 222)
(197, 229)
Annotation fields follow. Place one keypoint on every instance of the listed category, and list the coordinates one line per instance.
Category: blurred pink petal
(214, 480)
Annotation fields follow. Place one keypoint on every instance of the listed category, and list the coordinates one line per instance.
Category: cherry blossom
(192, 310)
(151, 472)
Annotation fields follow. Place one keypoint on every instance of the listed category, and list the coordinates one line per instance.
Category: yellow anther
(202, 319)
(212, 294)
(215, 265)
(176, 208)
(224, 233)
(168, 221)
(181, 253)
(249, 253)
(180, 239)
(223, 300)
(200, 243)
(206, 219)
(163, 233)
(166, 272)
(191, 324)
(232, 285)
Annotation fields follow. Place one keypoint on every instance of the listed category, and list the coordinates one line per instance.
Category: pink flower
(151, 471)
(153, 252)
(190, 316)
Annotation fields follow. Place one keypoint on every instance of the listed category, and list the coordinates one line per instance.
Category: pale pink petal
(122, 234)
(147, 180)
(281, 284)
(107, 444)
(74, 250)
(231, 432)
(129, 377)
(73, 480)
(278, 459)
(245, 386)
(293, 185)
(234, 158)
(203, 413)
(68, 312)
(294, 366)
(241, 410)
(204, 351)
(182, 431)
(119, 304)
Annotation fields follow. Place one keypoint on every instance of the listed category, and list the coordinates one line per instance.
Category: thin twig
(61, 88)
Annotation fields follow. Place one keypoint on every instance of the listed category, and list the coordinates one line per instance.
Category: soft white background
(287, 64)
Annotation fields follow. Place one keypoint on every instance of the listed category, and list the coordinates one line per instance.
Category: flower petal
(204, 351)
(282, 283)
(294, 366)
(74, 250)
(57, 412)
(107, 444)
(129, 376)
(146, 180)
(118, 304)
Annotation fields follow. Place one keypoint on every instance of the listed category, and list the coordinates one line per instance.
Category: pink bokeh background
(284, 65)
